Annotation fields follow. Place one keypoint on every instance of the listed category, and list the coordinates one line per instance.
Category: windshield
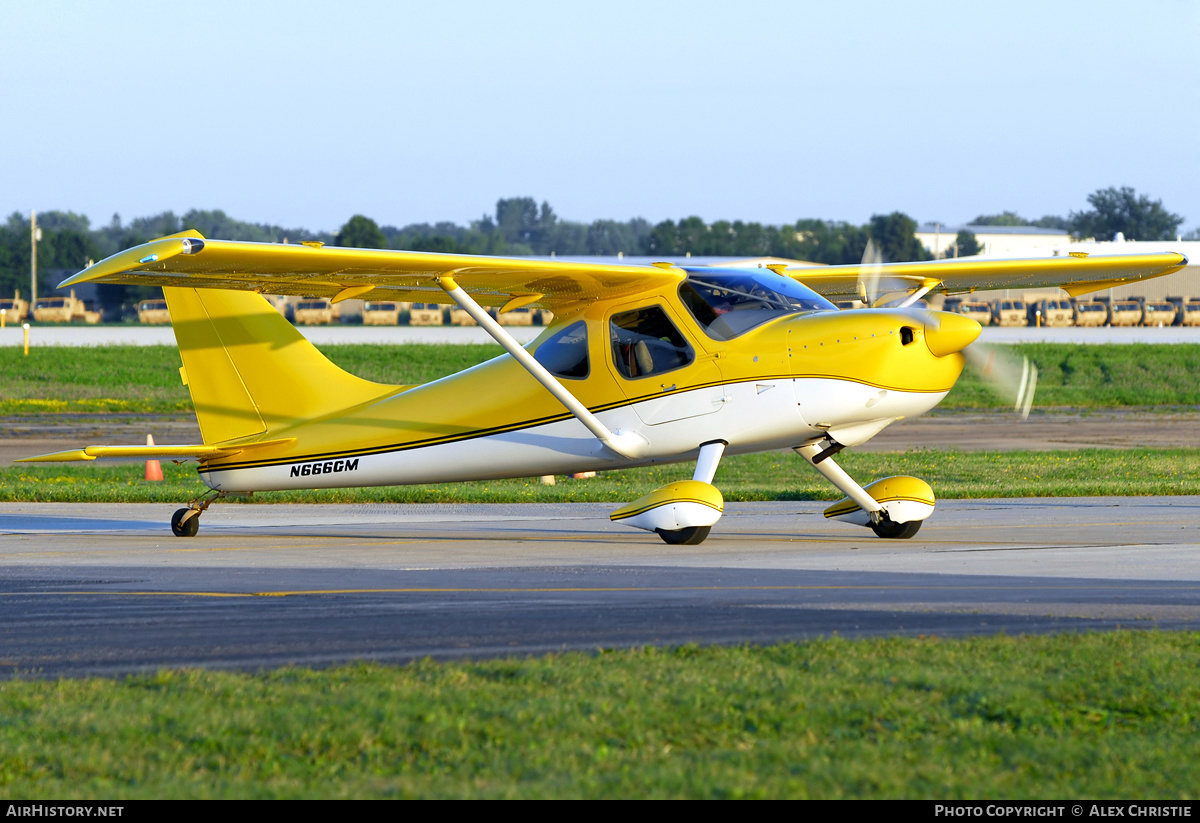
(727, 304)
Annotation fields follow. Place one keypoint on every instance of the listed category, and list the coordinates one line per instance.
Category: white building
(996, 241)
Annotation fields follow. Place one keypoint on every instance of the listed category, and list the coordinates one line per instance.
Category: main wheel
(684, 537)
(185, 528)
(896, 531)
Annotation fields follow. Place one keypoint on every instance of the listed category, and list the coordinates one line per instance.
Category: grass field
(770, 476)
(1060, 717)
(146, 379)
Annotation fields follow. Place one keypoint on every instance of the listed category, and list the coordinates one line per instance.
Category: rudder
(249, 371)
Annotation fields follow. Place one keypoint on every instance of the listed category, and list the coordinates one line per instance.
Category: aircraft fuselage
(843, 375)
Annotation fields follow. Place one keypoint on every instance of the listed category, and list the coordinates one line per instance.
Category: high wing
(1075, 274)
(313, 270)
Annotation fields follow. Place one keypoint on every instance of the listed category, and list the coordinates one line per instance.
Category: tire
(896, 531)
(685, 537)
(185, 528)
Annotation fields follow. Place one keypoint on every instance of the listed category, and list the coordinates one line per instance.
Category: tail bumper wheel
(185, 527)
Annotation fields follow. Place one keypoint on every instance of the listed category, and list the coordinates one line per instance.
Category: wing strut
(919, 293)
(626, 444)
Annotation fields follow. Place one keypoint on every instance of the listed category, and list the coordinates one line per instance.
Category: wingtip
(138, 258)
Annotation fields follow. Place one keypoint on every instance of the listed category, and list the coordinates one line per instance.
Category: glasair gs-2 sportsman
(642, 365)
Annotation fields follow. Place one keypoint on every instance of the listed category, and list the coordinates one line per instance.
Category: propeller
(876, 288)
(869, 274)
(1006, 373)
(1009, 375)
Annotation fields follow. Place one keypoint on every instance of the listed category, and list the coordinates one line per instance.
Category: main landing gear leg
(706, 470)
(683, 512)
(819, 454)
(186, 522)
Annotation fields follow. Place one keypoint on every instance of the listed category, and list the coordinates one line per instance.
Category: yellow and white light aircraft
(642, 365)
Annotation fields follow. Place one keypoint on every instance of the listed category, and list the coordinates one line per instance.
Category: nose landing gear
(893, 507)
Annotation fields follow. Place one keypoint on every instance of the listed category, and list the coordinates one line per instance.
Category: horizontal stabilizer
(170, 452)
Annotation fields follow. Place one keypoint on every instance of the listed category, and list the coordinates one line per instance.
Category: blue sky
(303, 113)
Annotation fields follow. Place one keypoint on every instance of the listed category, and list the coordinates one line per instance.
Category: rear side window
(565, 353)
(646, 342)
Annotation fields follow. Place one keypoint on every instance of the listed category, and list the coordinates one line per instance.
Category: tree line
(521, 226)
(69, 243)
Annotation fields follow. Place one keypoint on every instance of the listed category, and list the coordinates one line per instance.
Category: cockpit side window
(729, 304)
(646, 342)
(565, 353)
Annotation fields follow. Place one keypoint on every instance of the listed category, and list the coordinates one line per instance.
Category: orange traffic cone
(153, 467)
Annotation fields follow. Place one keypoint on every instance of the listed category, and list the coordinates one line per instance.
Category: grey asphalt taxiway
(106, 589)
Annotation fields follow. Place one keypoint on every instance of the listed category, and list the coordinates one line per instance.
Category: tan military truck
(459, 317)
(977, 310)
(319, 312)
(1189, 313)
(376, 313)
(153, 312)
(1090, 313)
(1054, 313)
(279, 301)
(63, 310)
(14, 308)
(1125, 313)
(516, 317)
(1158, 313)
(1009, 313)
(425, 314)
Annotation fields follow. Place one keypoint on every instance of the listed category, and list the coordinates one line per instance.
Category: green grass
(768, 476)
(1100, 376)
(1070, 716)
(100, 379)
(145, 379)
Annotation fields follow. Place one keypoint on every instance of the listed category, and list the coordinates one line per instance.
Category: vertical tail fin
(249, 371)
